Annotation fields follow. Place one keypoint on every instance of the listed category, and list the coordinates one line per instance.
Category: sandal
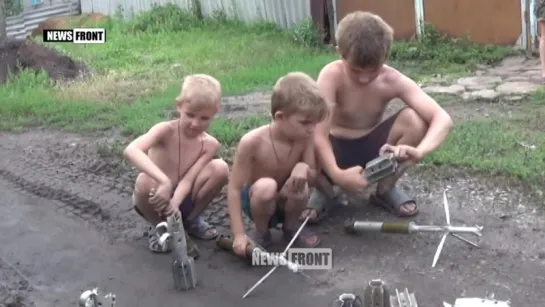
(154, 242)
(306, 238)
(318, 207)
(200, 229)
(393, 200)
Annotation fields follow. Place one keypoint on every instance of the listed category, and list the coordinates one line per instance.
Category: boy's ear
(278, 115)
(338, 50)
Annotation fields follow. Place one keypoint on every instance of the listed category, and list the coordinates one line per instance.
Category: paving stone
(454, 89)
(514, 88)
(479, 80)
(488, 95)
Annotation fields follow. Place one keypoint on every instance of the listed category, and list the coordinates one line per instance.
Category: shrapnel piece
(183, 268)
(402, 227)
(91, 298)
(380, 168)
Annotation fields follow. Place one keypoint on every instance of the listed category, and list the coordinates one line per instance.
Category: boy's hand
(299, 177)
(352, 180)
(160, 197)
(402, 152)
(172, 208)
(239, 244)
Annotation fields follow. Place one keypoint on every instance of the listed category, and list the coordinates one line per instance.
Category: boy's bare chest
(277, 160)
(176, 158)
(360, 108)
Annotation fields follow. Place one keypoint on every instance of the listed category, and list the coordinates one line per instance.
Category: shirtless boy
(358, 88)
(275, 164)
(175, 158)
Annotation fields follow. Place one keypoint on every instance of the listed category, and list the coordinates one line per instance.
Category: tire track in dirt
(13, 287)
(70, 170)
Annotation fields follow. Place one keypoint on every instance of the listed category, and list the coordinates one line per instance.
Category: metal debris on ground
(477, 302)
(183, 267)
(91, 298)
(402, 227)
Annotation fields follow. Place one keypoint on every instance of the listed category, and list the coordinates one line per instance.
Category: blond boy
(275, 164)
(176, 160)
(358, 88)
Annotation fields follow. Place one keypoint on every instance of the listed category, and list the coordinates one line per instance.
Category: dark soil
(27, 54)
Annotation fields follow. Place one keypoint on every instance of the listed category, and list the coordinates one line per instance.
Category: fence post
(419, 18)
(3, 30)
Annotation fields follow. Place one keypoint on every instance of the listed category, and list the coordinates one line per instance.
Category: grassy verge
(139, 70)
(515, 147)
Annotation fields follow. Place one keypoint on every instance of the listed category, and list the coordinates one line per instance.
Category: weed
(439, 54)
(306, 34)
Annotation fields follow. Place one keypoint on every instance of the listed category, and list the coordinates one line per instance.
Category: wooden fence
(501, 22)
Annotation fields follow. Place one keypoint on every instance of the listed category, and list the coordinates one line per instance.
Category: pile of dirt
(26, 54)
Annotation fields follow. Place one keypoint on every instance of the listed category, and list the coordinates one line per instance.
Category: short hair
(364, 38)
(297, 93)
(201, 90)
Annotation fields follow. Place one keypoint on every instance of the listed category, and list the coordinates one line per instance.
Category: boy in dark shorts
(275, 164)
(358, 88)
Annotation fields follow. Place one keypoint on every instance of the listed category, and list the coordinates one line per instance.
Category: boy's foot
(200, 229)
(155, 245)
(396, 202)
(318, 207)
(264, 240)
(306, 237)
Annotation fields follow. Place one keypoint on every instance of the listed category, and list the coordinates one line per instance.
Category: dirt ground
(68, 226)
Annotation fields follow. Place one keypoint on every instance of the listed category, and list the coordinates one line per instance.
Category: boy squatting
(176, 162)
(274, 165)
(357, 89)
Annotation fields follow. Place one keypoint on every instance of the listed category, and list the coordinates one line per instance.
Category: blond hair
(297, 92)
(200, 90)
(364, 38)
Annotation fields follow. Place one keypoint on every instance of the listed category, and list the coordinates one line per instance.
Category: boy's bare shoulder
(393, 76)
(252, 139)
(332, 69)
(210, 142)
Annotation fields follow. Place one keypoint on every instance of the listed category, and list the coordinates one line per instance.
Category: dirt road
(67, 226)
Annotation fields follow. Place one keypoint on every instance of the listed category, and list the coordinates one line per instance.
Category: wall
(501, 22)
(21, 25)
(283, 12)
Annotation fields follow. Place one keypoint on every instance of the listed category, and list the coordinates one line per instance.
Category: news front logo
(76, 36)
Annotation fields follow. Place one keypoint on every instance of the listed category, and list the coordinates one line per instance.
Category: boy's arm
(183, 188)
(325, 157)
(309, 158)
(136, 152)
(438, 120)
(240, 174)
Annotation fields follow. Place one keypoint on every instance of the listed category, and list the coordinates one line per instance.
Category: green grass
(515, 147)
(140, 68)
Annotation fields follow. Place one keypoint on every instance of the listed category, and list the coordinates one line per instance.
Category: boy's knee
(143, 185)
(264, 190)
(412, 122)
(219, 169)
